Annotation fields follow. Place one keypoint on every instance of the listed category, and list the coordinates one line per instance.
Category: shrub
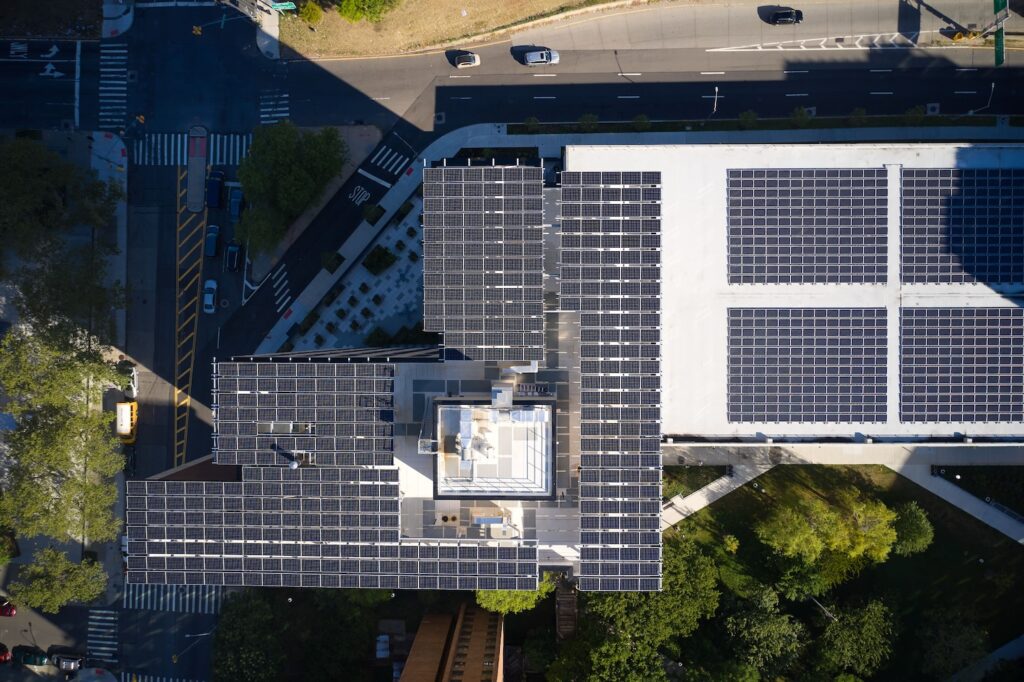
(372, 213)
(352, 300)
(400, 245)
(287, 347)
(331, 260)
(377, 299)
(915, 115)
(371, 10)
(311, 13)
(532, 124)
(379, 260)
(731, 544)
(748, 119)
(588, 123)
(641, 123)
(858, 117)
(318, 340)
(411, 232)
(330, 327)
(413, 256)
(308, 322)
(364, 287)
(800, 118)
(378, 337)
(366, 312)
(403, 211)
(341, 313)
(354, 325)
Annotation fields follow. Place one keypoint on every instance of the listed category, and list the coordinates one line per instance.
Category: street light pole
(714, 106)
(991, 92)
(198, 637)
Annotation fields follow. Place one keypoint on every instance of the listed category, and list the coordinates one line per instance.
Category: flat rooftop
(813, 291)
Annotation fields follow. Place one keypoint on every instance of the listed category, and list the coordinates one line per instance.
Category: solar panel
(511, 218)
(620, 354)
(807, 365)
(962, 364)
(807, 226)
(962, 225)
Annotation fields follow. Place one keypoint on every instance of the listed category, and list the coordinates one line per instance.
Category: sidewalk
(1011, 651)
(679, 507)
(118, 16)
(267, 31)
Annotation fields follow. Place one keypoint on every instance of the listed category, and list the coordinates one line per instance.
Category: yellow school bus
(127, 420)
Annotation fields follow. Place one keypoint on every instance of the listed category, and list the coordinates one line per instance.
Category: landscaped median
(800, 119)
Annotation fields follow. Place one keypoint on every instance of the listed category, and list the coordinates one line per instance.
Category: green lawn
(968, 566)
(1004, 485)
(683, 480)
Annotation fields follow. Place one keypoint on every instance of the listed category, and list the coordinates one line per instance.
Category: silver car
(540, 58)
(210, 296)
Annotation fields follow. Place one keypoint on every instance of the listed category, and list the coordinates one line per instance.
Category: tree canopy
(914, 531)
(515, 601)
(62, 455)
(285, 171)
(52, 581)
(248, 643)
(763, 637)
(860, 640)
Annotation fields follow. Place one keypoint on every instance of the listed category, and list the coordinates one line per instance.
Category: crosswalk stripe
(113, 85)
(179, 598)
(171, 149)
(102, 635)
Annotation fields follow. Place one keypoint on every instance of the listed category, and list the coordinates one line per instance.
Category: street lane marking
(539, 97)
(374, 178)
(796, 94)
(881, 70)
(78, 76)
(882, 92)
(628, 96)
(631, 74)
(712, 96)
(463, 98)
(459, 76)
(794, 72)
(966, 69)
(544, 75)
(965, 92)
(712, 73)
(282, 306)
(381, 99)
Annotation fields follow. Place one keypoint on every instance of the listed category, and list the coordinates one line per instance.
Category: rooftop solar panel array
(308, 527)
(963, 225)
(962, 364)
(807, 364)
(610, 273)
(483, 262)
(807, 226)
(330, 414)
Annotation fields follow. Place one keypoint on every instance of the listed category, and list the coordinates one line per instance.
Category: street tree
(859, 641)
(248, 643)
(42, 196)
(52, 581)
(789, 531)
(285, 171)
(371, 10)
(872, 532)
(762, 636)
(515, 601)
(914, 532)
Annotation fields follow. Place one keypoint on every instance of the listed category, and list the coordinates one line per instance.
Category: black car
(786, 16)
(212, 240)
(214, 189)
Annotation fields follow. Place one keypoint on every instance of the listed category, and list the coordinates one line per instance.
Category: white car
(540, 58)
(467, 60)
(210, 296)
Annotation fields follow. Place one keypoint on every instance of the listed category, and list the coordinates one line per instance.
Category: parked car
(786, 16)
(467, 60)
(212, 240)
(214, 189)
(210, 296)
(8, 609)
(67, 662)
(234, 256)
(27, 655)
(236, 203)
(540, 58)
(5, 654)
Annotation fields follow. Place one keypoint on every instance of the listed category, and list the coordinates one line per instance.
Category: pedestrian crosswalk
(113, 88)
(179, 598)
(171, 149)
(101, 638)
(273, 106)
(389, 161)
(139, 677)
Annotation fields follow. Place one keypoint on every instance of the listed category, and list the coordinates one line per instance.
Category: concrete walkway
(1011, 651)
(118, 16)
(914, 462)
(679, 507)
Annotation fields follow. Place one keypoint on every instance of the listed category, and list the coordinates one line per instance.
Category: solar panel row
(610, 273)
(483, 260)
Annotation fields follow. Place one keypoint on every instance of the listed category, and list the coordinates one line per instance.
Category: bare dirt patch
(414, 25)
